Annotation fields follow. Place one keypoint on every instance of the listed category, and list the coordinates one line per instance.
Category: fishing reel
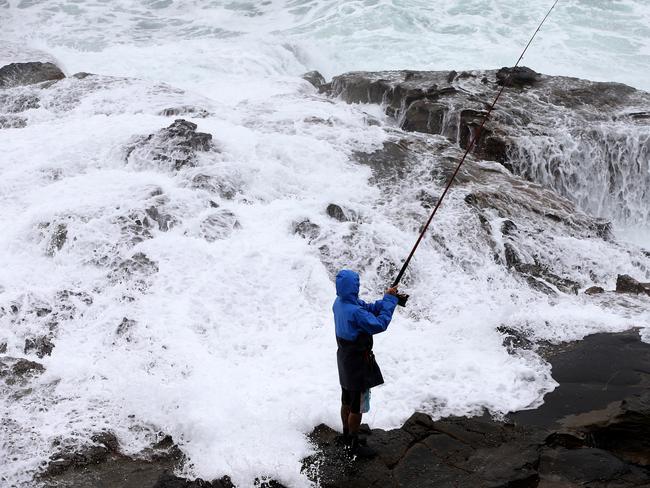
(402, 299)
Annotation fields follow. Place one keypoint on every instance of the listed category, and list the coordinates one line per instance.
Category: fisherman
(356, 322)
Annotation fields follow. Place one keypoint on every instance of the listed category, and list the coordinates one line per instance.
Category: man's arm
(374, 324)
(375, 308)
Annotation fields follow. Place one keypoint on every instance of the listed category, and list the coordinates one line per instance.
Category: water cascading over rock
(588, 141)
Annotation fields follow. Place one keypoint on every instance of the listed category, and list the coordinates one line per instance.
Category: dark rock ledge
(593, 431)
(453, 104)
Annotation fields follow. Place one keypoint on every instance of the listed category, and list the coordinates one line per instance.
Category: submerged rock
(185, 110)
(17, 74)
(315, 78)
(18, 102)
(306, 229)
(58, 239)
(41, 346)
(168, 480)
(137, 269)
(218, 225)
(175, 145)
(336, 212)
(12, 122)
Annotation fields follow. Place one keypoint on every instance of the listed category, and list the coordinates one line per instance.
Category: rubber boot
(342, 440)
(358, 449)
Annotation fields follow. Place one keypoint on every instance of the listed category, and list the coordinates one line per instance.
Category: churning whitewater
(190, 294)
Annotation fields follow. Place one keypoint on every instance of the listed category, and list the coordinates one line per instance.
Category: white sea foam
(231, 346)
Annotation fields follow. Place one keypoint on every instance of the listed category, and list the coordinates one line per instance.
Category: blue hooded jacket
(353, 316)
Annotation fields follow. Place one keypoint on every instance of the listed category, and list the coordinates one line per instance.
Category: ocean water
(229, 346)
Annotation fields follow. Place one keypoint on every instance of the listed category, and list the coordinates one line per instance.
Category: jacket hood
(347, 285)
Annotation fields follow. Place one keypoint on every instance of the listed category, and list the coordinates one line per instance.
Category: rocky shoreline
(591, 431)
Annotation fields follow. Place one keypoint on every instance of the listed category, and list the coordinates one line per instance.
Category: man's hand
(392, 291)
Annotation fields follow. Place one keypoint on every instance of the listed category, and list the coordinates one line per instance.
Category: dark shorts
(352, 399)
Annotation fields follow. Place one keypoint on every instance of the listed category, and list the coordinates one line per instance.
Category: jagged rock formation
(565, 133)
(175, 145)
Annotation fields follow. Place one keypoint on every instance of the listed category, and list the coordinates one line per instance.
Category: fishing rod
(470, 145)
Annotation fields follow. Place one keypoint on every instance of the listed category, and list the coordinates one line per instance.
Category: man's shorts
(358, 401)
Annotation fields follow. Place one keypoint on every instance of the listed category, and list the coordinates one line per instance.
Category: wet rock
(544, 447)
(219, 225)
(603, 229)
(225, 188)
(185, 110)
(519, 76)
(24, 367)
(427, 199)
(601, 95)
(70, 459)
(622, 428)
(391, 444)
(66, 297)
(41, 346)
(315, 78)
(16, 103)
(306, 229)
(99, 463)
(510, 464)
(627, 284)
(454, 106)
(167, 480)
(594, 375)
(419, 425)
(490, 145)
(266, 482)
(424, 453)
(137, 267)
(511, 255)
(164, 221)
(424, 116)
(357, 87)
(57, 240)
(82, 75)
(106, 439)
(540, 272)
(388, 164)
(135, 227)
(336, 212)
(12, 122)
(125, 326)
(508, 227)
(420, 468)
(175, 146)
(588, 466)
(18, 74)
(515, 339)
(594, 290)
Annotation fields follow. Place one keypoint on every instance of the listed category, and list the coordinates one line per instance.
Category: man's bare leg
(354, 423)
(345, 416)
